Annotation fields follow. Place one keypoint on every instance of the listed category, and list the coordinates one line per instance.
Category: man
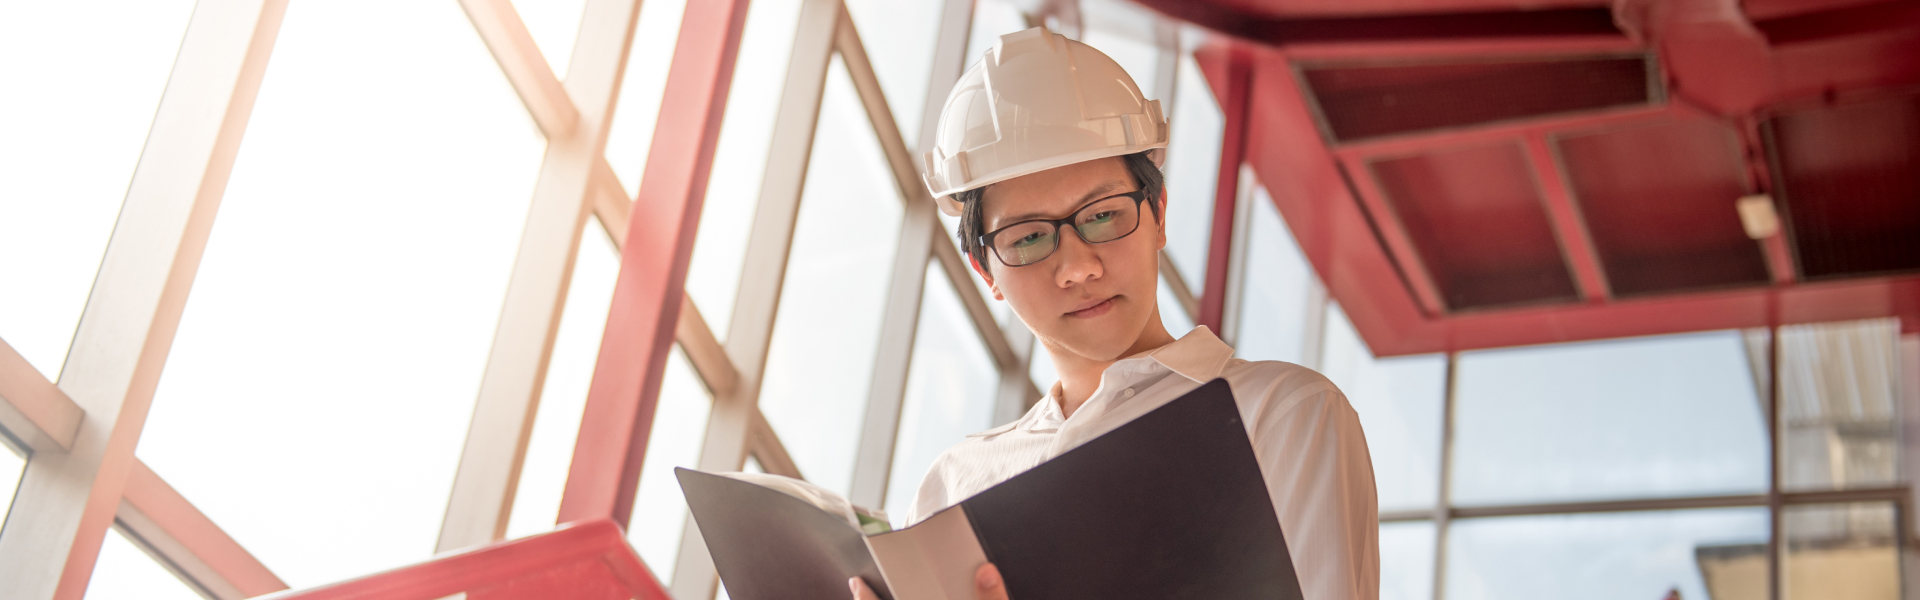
(1049, 154)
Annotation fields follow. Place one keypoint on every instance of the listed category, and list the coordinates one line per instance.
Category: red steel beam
(1386, 225)
(587, 560)
(653, 267)
(1563, 212)
(1226, 191)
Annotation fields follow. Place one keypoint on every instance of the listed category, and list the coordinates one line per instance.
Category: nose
(1075, 261)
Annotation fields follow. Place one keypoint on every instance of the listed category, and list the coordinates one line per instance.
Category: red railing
(584, 560)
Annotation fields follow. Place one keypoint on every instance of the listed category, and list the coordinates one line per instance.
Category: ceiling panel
(1367, 101)
(1849, 176)
(1300, 8)
(1658, 202)
(1477, 221)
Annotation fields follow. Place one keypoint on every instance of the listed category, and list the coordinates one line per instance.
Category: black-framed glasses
(1099, 222)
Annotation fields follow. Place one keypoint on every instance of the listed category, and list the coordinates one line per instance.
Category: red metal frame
(1726, 69)
(653, 267)
(1565, 217)
(1233, 91)
(1304, 176)
(588, 560)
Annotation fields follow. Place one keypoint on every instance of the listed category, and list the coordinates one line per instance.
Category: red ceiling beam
(653, 267)
(1385, 223)
(1851, 20)
(1547, 22)
(1568, 225)
(1327, 217)
(1226, 191)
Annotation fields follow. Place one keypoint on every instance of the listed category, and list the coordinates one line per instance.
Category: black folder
(1170, 505)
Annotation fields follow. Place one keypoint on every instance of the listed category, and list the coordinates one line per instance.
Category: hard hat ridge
(1037, 101)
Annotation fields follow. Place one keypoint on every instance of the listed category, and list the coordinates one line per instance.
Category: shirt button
(1127, 394)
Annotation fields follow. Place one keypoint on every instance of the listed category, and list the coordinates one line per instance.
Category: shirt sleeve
(1309, 444)
(932, 496)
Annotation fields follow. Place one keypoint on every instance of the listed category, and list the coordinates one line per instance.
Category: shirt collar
(1199, 355)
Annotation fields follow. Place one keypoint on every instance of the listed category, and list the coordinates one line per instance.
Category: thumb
(987, 584)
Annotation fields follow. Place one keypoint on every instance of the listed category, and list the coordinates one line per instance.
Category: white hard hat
(1036, 101)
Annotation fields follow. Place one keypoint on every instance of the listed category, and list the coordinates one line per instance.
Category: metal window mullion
(1776, 501)
(1189, 304)
(873, 460)
(488, 475)
(899, 324)
(34, 410)
(762, 276)
(603, 477)
(1314, 339)
(1228, 188)
(611, 208)
(899, 321)
(1232, 302)
(549, 103)
(67, 500)
(188, 543)
(1443, 510)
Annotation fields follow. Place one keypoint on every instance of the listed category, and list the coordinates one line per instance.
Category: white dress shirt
(1305, 436)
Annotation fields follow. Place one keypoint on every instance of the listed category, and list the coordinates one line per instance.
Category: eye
(1029, 239)
(1103, 216)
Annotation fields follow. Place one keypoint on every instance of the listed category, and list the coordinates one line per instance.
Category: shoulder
(1270, 389)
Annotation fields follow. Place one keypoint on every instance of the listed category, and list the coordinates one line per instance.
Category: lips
(1092, 308)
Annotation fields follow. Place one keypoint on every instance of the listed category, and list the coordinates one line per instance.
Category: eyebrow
(1098, 192)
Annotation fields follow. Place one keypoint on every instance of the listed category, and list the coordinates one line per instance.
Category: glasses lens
(1026, 243)
(1107, 220)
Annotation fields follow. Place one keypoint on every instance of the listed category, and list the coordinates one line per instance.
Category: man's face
(1093, 300)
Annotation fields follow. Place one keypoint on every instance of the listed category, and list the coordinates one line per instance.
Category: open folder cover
(1170, 505)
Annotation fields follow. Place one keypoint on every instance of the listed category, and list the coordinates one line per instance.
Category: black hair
(1145, 174)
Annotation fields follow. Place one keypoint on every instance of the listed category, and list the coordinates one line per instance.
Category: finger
(987, 584)
(860, 590)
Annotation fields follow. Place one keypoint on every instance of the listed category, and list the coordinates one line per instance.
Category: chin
(1100, 339)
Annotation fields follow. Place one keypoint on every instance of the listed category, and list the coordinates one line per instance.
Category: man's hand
(986, 586)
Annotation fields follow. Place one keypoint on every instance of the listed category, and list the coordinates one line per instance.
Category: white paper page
(932, 560)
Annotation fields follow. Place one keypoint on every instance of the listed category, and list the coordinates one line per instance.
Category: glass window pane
(13, 466)
(563, 396)
(630, 136)
(1172, 314)
(554, 25)
(1602, 556)
(1658, 416)
(1839, 407)
(1275, 283)
(125, 570)
(1399, 400)
(333, 345)
(1040, 368)
(899, 38)
(679, 426)
(1842, 552)
(1124, 31)
(69, 150)
(950, 392)
(1406, 560)
(820, 361)
(992, 19)
(1193, 168)
(733, 189)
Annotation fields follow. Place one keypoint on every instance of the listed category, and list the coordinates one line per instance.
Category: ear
(986, 276)
(1160, 219)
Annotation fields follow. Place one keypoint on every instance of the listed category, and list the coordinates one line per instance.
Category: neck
(1080, 375)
